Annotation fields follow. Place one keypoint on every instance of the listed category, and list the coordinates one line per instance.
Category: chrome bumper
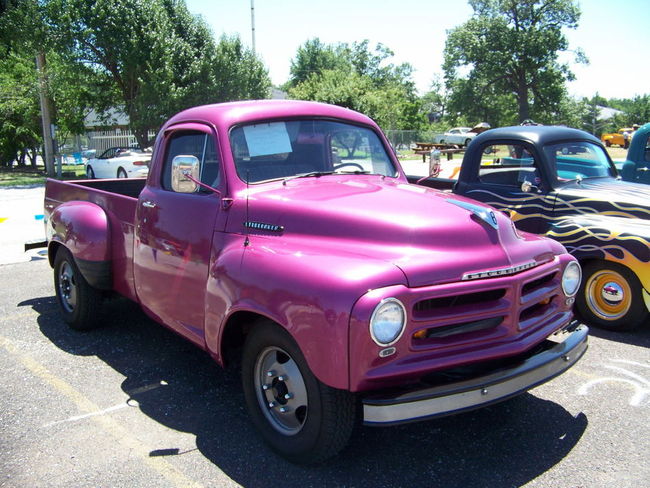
(496, 386)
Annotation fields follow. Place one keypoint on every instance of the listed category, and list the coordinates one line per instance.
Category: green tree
(509, 49)
(356, 77)
(156, 56)
(19, 110)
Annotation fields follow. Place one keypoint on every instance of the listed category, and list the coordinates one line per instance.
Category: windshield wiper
(311, 174)
(317, 174)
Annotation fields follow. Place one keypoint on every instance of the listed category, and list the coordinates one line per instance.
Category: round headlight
(571, 278)
(387, 322)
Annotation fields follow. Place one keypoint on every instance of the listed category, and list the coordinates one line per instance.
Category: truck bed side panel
(120, 210)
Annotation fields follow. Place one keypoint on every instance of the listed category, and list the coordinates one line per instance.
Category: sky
(615, 36)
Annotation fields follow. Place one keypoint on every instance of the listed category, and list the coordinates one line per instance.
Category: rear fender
(83, 229)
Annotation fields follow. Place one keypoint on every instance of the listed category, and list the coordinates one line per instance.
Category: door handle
(148, 204)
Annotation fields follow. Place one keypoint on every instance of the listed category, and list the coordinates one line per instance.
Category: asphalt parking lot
(132, 404)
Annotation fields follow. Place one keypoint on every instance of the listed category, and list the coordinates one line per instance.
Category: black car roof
(536, 134)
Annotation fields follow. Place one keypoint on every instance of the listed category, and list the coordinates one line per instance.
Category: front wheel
(121, 173)
(79, 302)
(610, 297)
(467, 141)
(90, 174)
(299, 417)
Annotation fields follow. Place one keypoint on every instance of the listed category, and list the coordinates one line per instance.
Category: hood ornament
(485, 214)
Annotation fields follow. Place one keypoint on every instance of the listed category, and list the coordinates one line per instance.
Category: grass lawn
(30, 176)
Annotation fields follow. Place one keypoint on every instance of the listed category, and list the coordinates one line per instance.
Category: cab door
(510, 179)
(174, 234)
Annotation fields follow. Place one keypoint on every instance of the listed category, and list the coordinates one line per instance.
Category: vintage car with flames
(561, 183)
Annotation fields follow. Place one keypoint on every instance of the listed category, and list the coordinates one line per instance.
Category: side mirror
(182, 166)
(528, 187)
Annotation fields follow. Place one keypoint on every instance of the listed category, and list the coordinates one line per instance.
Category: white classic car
(460, 136)
(119, 162)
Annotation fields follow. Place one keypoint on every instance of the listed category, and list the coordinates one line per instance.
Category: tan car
(620, 138)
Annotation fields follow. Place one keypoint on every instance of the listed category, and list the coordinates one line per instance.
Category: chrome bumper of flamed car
(565, 349)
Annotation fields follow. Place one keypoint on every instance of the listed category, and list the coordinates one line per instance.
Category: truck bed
(119, 200)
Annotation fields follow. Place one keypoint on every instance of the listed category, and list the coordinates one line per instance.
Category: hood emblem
(485, 214)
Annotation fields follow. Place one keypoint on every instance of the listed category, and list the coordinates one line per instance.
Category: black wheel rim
(67, 287)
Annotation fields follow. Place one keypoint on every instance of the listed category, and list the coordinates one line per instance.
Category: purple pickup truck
(286, 233)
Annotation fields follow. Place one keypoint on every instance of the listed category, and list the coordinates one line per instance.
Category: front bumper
(562, 351)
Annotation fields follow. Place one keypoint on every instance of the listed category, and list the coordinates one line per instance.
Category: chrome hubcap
(281, 391)
(608, 294)
(613, 293)
(67, 287)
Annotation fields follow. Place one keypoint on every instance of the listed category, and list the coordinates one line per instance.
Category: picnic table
(425, 148)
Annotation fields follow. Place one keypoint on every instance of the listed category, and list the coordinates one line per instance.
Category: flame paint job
(347, 242)
(597, 218)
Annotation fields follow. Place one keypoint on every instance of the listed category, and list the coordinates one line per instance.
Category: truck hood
(432, 236)
(606, 196)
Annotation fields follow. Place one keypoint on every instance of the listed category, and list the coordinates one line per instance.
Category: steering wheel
(343, 165)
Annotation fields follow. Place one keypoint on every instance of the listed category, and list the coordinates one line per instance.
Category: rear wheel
(80, 303)
(299, 417)
(121, 173)
(608, 143)
(611, 297)
(467, 141)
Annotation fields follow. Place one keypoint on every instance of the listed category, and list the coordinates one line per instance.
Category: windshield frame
(328, 161)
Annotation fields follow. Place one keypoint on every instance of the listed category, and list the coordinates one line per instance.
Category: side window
(508, 165)
(193, 143)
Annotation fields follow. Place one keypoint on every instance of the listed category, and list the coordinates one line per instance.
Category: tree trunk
(522, 98)
(46, 121)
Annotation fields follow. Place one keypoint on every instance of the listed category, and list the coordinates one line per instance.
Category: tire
(90, 174)
(121, 173)
(80, 303)
(610, 297)
(467, 141)
(608, 143)
(299, 417)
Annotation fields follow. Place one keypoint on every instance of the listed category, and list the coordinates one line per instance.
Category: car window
(193, 143)
(577, 160)
(108, 153)
(508, 165)
(284, 149)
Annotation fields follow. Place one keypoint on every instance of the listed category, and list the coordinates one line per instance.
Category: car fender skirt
(554, 356)
(97, 273)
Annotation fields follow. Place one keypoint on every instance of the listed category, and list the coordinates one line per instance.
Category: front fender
(307, 290)
(621, 240)
(83, 229)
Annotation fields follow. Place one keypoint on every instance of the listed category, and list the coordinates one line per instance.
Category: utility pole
(46, 119)
(253, 23)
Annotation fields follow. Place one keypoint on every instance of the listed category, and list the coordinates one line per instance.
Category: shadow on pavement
(637, 337)
(508, 444)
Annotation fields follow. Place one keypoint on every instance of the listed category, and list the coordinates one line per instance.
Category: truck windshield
(284, 149)
(578, 160)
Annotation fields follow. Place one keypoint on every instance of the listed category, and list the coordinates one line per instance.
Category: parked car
(637, 163)
(461, 136)
(119, 162)
(285, 233)
(561, 183)
(620, 138)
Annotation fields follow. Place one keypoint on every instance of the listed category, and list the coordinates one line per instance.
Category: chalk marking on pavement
(112, 427)
(639, 384)
(87, 415)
